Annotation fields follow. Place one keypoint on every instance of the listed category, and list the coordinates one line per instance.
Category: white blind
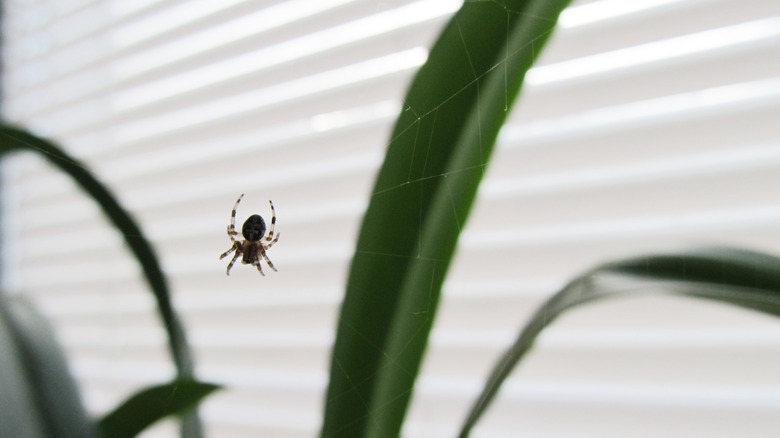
(648, 125)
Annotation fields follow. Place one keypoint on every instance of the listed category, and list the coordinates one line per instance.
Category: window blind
(645, 126)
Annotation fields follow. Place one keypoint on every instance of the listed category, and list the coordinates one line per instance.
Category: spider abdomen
(254, 228)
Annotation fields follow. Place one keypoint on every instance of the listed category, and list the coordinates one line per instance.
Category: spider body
(253, 248)
(254, 228)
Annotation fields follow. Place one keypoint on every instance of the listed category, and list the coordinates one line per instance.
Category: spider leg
(273, 223)
(231, 234)
(257, 264)
(224, 254)
(232, 227)
(261, 253)
(273, 241)
(232, 261)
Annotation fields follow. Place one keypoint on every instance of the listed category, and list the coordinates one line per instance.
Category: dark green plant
(151, 404)
(734, 276)
(435, 160)
(32, 344)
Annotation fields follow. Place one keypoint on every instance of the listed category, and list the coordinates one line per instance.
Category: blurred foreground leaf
(38, 397)
(13, 139)
(733, 276)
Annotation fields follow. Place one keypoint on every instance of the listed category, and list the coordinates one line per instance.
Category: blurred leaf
(435, 161)
(13, 139)
(38, 392)
(151, 405)
(733, 276)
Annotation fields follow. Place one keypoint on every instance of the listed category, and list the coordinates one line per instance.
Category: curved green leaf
(734, 276)
(13, 139)
(435, 161)
(37, 393)
(151, 405)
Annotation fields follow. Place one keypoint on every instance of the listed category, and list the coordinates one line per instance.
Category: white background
(648, 125)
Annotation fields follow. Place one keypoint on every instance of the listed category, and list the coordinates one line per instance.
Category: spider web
(421, 116)
(416, 178)
(418, 173)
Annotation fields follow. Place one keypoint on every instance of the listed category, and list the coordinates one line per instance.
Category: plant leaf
(13, 139)
(35, 377)
(435, 161)
(734, 276)
(152, 404)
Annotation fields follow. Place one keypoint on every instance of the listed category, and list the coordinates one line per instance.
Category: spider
(253, 247)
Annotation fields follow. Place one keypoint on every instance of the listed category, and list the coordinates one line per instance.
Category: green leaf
(734, 276)
(435, 161)
(13, 139)
(151, 405)
(37, 391)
